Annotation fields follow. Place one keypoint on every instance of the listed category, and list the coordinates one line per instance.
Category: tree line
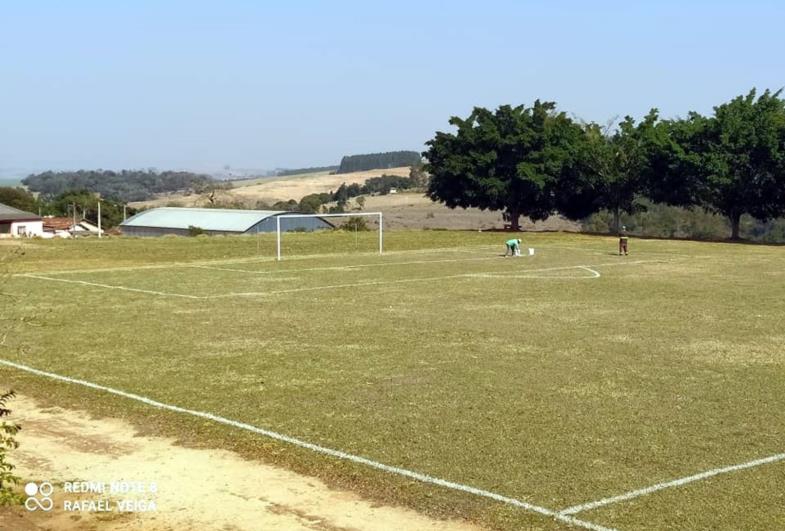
(298, 171)
(122, 186)
(81, 204)
(373, 161)
(537, 161)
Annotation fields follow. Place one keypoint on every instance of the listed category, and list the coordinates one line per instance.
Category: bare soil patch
(197, 488)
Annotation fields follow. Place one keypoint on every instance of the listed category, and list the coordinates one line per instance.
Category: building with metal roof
(183, 221)
(15, 222)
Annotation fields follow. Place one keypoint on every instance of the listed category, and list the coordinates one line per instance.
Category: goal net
(359, 231)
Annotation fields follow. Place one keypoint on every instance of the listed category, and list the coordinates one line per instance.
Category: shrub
(195, 231)
(8, 431)
(355, 223)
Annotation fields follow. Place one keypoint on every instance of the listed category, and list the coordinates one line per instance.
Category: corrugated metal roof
(8, 213)
(216, 219)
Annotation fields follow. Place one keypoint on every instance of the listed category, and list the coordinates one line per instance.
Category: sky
(254, 84)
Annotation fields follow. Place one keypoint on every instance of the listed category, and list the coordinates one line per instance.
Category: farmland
(276, 188)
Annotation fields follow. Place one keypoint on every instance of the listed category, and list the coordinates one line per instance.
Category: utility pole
(99, 218)
(124, 216)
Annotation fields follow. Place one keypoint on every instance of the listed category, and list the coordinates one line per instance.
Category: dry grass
(415, 211)
(276, 189)
(556, 391)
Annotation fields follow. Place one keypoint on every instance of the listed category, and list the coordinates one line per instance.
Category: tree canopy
(612, 169)
(510, 159)
(374, 161)
(536, 161)
(18, 197)
(125, 185)
(736, 157)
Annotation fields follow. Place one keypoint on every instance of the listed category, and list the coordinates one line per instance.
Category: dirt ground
(196, 488)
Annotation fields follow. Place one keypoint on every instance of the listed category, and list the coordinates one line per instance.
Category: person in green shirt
(513, 247)
(623, 241)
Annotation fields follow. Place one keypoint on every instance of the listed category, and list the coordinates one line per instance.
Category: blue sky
(169, 84)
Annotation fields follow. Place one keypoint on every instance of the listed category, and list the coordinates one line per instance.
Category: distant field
(278, 188)
(261, 180)
(544, 382)
(416, 211)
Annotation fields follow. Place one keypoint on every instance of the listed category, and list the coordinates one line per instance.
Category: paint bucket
(531, 251)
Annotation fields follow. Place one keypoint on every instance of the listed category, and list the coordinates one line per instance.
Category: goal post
(377, 215)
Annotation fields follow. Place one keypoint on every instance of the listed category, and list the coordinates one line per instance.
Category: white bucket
(531, 251)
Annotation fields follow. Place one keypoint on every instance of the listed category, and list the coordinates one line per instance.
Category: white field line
(670, 484)
(424, 279)
(110, 286)
(424, 478)
(262, 259)
(339, 286)
(594, 274)
(207, 265)
(345, 267)
(333, 286)
(245, 260)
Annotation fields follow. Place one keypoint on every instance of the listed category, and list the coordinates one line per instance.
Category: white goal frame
(342, 215)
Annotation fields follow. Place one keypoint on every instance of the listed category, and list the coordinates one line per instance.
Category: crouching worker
(513, 247)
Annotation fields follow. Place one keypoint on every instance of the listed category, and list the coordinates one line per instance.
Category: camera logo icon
(39, 496)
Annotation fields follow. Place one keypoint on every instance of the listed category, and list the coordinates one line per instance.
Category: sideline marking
(670, 484)
(424, 478)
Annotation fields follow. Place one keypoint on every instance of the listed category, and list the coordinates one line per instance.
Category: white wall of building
(26, 229)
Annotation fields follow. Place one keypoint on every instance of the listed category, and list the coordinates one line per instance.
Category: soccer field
(571, 388)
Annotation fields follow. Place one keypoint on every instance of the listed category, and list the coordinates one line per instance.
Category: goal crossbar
(341, 215)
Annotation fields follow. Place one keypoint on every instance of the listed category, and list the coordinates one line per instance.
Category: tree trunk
(513, 217)
(616, 220)
(735, 221)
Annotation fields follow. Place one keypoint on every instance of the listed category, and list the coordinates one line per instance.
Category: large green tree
(733, 162)
(612, 169)
(84, 205)
(18, 198)
(510, 159)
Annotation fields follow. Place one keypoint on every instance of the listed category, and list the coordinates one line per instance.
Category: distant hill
(125, 185)
(379, 161)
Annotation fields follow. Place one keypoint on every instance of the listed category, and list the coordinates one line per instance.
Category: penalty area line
(594, 274)
(111, 286)
(524, 273)
(423, 478)
(671, 484)
(342, 268)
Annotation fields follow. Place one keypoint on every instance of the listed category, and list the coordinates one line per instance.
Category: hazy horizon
(191, 85)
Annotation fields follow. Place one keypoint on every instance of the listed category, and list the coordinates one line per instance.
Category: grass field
(552, 381)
